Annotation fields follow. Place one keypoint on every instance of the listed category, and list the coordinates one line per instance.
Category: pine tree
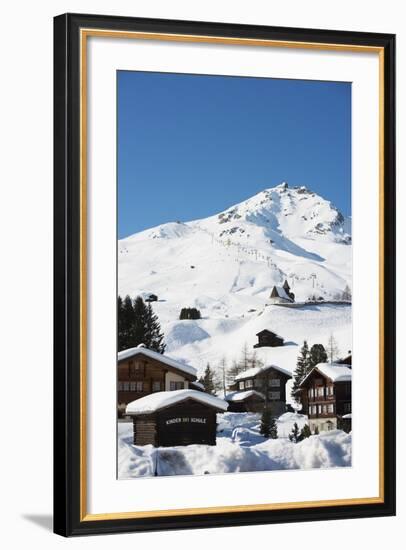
(305, 432)
(208, 380)
(346, 295)
(317, 355)
(266, 422)
(126, 321)
(189, 313)
(302, 368)
(153, 337)
(294, 435)
(273, 429)
(120, 327)
(139, 322)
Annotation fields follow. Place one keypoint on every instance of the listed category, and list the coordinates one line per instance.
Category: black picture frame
(68, 520)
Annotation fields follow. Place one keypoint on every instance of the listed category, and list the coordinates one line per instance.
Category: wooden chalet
(269, 381)
(172, 418)
(282, 294)
(346, 360)
(325, 394)
(267, 338)
(141, 371)
(245, 401)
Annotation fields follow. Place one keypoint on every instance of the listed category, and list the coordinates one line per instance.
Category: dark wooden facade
(253, 403)
(269, 381)
(267, 338)
(325, 401)
(142, 375)
(186, 423)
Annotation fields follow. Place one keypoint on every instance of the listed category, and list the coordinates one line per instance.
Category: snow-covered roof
(197, 384)
(160, 400)
(282, 293)
(142, 350)
(347, 415)
(236, 396)
(335, 372)
(269, 331)
(250, 373)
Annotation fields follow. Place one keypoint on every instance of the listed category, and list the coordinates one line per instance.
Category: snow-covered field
(240, 448)
(226, 266)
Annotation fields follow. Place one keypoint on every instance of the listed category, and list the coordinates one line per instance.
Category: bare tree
(332, 349)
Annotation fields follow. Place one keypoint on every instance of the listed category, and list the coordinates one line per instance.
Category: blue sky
(190, 146)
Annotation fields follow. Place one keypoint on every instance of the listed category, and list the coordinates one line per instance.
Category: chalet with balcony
(325, 394)
(270, 381)
(141, 371)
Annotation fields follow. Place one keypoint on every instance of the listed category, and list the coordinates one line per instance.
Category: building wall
(174, 377)
(322, 423)
(145, 370)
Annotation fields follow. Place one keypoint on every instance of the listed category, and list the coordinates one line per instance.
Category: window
(310, 393)
(330, 390)
(274, 383)
(156, 385)
(275, 395)
(133, 368)
(324, 409)
(330, 408)
(241, 386)
(176, 385)
(319, 407)
(120, 386)
(257, 382)
(320, 392)
(126, 386)
(133, 386)
(249, 383)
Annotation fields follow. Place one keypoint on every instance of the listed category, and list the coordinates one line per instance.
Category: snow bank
(182, 333)
(240, 448)
(328, 450)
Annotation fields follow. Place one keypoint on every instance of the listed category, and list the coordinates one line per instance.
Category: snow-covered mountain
(226, 265)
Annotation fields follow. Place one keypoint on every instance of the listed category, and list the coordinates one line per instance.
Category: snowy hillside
(226, 266)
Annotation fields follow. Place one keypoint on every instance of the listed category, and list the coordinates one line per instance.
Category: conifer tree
(294, 435)
(305, 432)
(346, 295)
(126, 324)
(139, 322)
(317, 355)
(153, 338)
(266, 419)
(208, 380)
(265, 422)
(302, 368)
(273, 429)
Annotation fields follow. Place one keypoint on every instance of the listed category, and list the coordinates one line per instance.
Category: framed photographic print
(224, 256)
